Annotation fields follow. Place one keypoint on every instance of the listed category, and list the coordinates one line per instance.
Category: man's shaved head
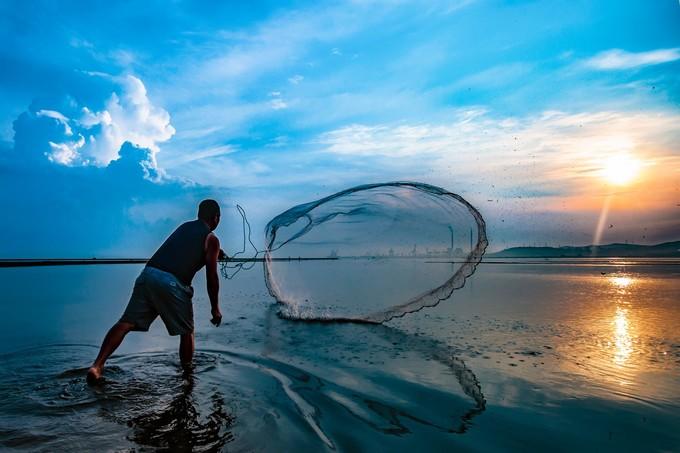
(208, 209)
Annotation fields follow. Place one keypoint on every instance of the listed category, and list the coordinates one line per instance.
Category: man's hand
(222, 256)
(212, 278)
(216, 317)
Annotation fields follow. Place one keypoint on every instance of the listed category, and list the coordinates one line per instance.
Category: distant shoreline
(616, 250)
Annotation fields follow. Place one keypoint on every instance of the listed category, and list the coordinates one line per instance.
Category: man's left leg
(186, 349)
(111, 342)
(138, 315)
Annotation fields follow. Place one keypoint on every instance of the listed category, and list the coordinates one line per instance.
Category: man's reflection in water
(180, 427)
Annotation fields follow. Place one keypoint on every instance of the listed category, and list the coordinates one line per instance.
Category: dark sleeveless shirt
(183, 253)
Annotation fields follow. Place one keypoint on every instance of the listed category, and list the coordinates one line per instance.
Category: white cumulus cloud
(95, 137)
(65, 153)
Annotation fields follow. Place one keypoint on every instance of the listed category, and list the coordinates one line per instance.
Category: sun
(621, 169)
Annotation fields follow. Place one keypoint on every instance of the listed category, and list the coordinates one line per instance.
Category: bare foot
(94, 375)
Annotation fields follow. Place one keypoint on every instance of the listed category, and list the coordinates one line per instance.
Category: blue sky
(117, 117)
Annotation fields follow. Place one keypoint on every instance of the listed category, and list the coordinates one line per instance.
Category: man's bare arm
(212, 278)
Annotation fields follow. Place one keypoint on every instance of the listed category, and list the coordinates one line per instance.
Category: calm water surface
(558, 355)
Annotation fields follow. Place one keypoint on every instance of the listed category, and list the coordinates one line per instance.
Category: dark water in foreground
(524, 357)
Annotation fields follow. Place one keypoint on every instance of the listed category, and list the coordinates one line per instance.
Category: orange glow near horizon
(640, 181)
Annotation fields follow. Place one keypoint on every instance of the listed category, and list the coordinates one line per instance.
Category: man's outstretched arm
(212, 278)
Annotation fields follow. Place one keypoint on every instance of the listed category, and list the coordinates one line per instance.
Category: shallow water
(525, 356)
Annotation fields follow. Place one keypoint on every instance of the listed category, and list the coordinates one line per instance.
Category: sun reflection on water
(623, 339)
(621, 281)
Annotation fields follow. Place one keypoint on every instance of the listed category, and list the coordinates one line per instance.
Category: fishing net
(372, 252)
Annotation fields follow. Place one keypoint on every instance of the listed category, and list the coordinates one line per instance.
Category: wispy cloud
(276, 102)
(277, 43)
(553, 150)
(205, 153)
(617, 59)
(494, 77)
(297, 78)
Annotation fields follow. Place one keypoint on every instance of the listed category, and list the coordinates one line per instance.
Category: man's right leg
(111, 342)
(186, 349)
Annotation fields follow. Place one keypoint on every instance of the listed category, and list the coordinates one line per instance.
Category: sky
(558, 120)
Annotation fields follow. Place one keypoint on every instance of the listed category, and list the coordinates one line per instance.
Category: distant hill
(665, 250)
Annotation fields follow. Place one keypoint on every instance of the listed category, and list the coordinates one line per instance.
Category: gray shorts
(157, 292)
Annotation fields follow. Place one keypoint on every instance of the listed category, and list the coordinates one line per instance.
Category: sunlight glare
(621, 281)
(621, 169)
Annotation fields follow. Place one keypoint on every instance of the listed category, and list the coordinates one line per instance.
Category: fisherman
(164, 287)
